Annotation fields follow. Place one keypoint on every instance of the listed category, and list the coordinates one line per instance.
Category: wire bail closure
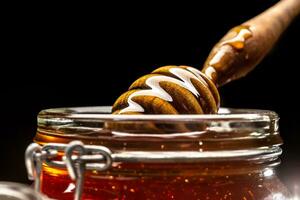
(34, 157)
(78, 157)
(76, 164)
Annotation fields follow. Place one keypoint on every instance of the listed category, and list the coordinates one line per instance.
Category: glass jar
(17, 191)
(231, 155)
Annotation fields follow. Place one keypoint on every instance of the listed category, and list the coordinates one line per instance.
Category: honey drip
(241, 34)
(181, 89)
(219, 59)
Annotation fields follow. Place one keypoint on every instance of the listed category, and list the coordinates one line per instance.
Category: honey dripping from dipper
(181, 89)
(185, 90)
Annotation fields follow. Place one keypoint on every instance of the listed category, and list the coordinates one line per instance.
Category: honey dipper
(186, 90)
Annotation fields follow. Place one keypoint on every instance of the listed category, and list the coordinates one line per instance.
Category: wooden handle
(186, 90)
(244, 46)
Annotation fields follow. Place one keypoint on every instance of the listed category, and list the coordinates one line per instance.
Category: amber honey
(231, 155)
(178, 182)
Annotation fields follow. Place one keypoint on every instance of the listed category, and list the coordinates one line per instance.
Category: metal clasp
(77, 158)
(35, 155)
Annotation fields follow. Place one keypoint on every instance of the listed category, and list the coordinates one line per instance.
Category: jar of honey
(230, 155)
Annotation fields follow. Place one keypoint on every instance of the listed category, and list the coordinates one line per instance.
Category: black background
(82, 57)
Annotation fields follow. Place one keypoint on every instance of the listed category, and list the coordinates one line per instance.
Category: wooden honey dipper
(186, 90)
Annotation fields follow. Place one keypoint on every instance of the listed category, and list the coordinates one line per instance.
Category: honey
(177, 181)
(231, 155)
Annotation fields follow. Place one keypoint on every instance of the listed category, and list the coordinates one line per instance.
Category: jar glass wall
(231, 155)
(16, 191)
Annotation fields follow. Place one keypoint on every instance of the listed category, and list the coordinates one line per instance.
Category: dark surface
(56, 60)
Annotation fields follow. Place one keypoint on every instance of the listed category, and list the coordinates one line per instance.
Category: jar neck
(186, 163)
(232, 168)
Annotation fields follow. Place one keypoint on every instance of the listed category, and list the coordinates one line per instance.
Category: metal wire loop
(34, 157)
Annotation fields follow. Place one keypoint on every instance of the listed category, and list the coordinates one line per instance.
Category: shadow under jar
(231, 155)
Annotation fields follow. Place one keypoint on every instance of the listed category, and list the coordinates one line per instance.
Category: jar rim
(258, 128)
(232, 131)
(104, 113)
